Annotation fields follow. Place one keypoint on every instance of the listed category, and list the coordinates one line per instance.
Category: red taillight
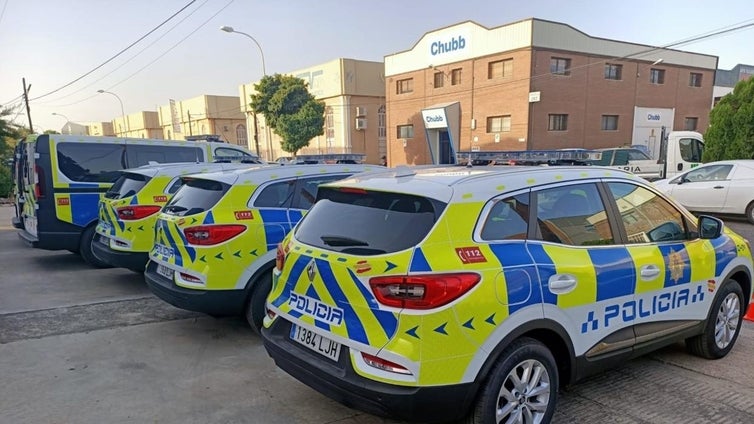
(280, 257)
(383, 364)
(205, 235)
(190, 278)
(39, 177)
(352, 190)
(130, 213)
(422, 291)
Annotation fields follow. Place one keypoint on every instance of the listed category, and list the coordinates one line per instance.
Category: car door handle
(561, 283)
(649, 272)
(718, 187)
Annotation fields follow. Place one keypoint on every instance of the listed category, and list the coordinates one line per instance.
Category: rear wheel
(85, 249)
(723, 324)
(750, 213)
(522, 387)
(255, 304)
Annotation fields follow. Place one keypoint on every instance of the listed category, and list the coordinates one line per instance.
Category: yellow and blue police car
(128, 212)
(215, 239)
(438, 294)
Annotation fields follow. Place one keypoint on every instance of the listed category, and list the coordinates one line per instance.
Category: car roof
(259, 174)
(472, 183)
(181, 168)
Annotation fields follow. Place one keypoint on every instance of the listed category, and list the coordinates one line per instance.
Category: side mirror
(709, 227)
(680, 167)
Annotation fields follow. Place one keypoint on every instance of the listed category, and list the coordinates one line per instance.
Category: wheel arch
(742, 276)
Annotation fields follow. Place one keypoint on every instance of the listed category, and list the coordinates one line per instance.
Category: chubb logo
(434, 118)
(315, 308)
(440, 47)
(653, 117)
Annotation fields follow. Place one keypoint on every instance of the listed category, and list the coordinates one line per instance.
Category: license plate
(320, 344)
(165, 271)
(163, 250)
(104, 240)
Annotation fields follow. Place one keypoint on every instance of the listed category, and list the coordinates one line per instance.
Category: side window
(142, 154)
(621, 157)
(91, 162)
(574, 215)
(709, 173)
(691, 149)
(647, 216)
(508, 219)
(232, 154)
(276, 195)
(306, 189)
(174, 185)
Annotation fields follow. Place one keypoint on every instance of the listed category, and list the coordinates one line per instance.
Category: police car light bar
(529, 156)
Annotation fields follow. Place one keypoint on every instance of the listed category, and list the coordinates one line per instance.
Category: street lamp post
(230, 29)
(67, 121)
(122, 110)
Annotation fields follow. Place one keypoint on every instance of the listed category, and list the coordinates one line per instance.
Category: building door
(446, 153)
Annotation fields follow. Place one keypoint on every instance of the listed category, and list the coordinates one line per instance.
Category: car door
(272, 202)
(704, 189)
(586, 277)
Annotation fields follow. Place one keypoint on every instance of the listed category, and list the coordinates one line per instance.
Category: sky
(51, 43)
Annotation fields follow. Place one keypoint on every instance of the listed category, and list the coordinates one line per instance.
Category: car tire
(85, 249)
(750, 212)
(255, 303)
(723, 324)
(532, 364)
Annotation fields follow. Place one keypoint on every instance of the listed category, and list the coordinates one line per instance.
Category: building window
(695, 79)
(455, 76)
(609, 122)
(405, 131)
(657, 76)
(496, 124)
(241, 138)
(690, 123)
(613, 72)
(329, 126)
(500, 69)
(557, 122)
(381, 123)
(560, 66)
(439, 79)
(405, 86)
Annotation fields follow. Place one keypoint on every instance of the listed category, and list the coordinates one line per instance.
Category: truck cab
(681, 151)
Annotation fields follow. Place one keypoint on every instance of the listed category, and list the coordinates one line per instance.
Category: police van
(62, 178)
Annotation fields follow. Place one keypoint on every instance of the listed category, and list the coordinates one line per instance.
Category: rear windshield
(127, 185)
(195, 196)
(367, 222)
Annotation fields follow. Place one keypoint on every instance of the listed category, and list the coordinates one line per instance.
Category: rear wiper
(174, 208)
(342, 241)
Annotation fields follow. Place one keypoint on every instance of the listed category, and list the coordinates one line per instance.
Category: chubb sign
(434, 118)
(447, 46)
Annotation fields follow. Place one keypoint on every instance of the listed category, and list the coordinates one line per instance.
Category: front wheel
(750, 213)
(255, 304)
(723, 324)
(85, 249)
(522, 387)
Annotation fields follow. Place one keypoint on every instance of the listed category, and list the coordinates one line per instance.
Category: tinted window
(225, 153)
(691, 149)
(637, 155)
(127, 185)
(91, 162)
(572, 215)
(306, 189)
(196, 196)
(605, 160)
(276, 195)
(174, 186)
(139, 155)
(508, 219)
(646, 216)
(367, 222)
(708, 173)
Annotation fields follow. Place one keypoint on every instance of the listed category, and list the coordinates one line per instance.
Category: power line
(2, 13)
(117, 54)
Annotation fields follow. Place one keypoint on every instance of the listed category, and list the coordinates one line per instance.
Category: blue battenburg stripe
(208, 219)
(354, 327)
(176, 253)
(295, 216)
(134, 201)
(296, 270)
(677, 266)
(616, 272)
(189, 250)
(725, 251)
(276, 226)
(545, 268)
(419, 262)
(84, 208)
(519, 274)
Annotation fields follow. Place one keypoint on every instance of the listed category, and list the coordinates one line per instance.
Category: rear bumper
(52, 241)
(340, 382)
(136, 261)
(211, 302)
(17, 223)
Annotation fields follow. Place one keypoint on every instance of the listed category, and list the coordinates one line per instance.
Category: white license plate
(165, 271)
(320, 344)
(104, 240)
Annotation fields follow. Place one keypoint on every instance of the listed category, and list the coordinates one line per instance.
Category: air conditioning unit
(361, 111)
(361, 123)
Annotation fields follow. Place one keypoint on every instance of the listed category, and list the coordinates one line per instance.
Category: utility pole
(256, 132)
(188, 112)
(26, 100)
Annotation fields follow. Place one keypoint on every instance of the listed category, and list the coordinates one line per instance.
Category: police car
(437, 294)
(215, 239)
(127, 213)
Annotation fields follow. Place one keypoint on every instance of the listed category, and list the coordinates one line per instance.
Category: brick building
(537, 84)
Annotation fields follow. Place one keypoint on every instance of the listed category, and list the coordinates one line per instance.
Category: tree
(289, 109)
(731, 131)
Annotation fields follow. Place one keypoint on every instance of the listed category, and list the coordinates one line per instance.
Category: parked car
(724, 187)
(215, 239)
(437, 294)
(129, 209)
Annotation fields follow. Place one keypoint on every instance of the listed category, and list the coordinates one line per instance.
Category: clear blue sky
(51, 42)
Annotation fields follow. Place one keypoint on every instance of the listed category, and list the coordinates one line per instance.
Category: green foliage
(731, 131)
(6, 181)
(289, 109)
(50, 132)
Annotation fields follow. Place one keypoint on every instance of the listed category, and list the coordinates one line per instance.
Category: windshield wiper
(174, 208)
(342, 241)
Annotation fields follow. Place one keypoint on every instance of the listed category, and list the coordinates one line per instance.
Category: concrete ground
(80, 345)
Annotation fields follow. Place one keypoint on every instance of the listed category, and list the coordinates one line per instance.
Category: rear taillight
(205, 235)
(280, 257)
(39, 177)
(422, 291)
(130, 213)
(383, 364)
(190, 278)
